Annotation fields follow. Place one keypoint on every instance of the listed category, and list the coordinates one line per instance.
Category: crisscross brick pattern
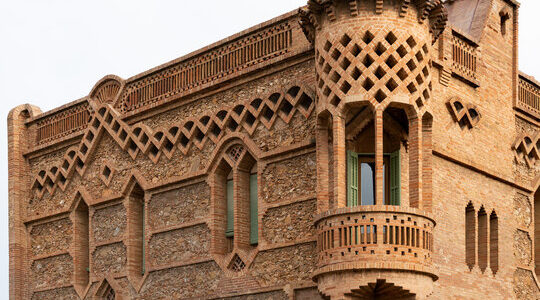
(195, 131)
(374, 63)
(237, 264)
(527, 148)
(466, 114)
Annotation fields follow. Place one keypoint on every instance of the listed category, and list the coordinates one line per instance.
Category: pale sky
(53, 52)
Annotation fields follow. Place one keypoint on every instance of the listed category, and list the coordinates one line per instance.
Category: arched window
(470, 236)
(494, 242)
(82, 244)
(361, 158)
(236, 196)
(505, 16)
(136, 224)
(482, 239)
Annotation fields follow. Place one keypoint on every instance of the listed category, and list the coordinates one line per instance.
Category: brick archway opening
(381, 290)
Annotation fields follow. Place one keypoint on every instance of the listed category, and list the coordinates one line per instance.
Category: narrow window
(494, 242)
(361, 179)
(352, 178)
(482, 239)
(505, 16)
(395, 178)
(136, 247)
(82, 244)
(470, 236)
(230, 208)
(253, 209)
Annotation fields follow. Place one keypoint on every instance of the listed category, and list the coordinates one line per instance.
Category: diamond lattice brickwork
(375, 63)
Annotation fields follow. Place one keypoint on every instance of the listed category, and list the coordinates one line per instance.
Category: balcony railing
(464, 59)
(375, 237)
(529, 95)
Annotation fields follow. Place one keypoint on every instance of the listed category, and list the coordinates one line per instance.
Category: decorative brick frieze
(197, 131)
(63, 123)
(465, 114)
(228, 173)
(208, 68)
(526, 148)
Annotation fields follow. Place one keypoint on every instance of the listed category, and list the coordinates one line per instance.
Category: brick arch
(107, 90)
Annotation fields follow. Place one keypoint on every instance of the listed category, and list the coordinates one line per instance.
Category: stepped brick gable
(347, 150)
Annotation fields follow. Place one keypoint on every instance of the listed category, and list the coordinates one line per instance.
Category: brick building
(362, 149)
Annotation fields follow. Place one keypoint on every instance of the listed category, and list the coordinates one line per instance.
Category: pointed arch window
(82, 244)
(236, 196)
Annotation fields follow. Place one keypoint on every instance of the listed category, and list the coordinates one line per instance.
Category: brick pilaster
(415, 162)
(379, 156)
(340, 162)
(323, 201)
(18, 177)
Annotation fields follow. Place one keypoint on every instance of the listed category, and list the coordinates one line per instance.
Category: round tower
(374, 72)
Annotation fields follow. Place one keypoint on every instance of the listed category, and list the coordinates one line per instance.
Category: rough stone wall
(289, 179)
(287, 194)
(522, 247)
(62, 293)
(51, 237)
(523, 210)
(197, 280)
(179, 245)
(276, 295)
(109, 259)
(290, 222)
(52, 271)
(109, 223)
(524, 285)
(284, 265)
(179, 206)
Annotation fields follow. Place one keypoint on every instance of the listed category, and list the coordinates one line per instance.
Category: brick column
(379, 156)
(427, 169)
(323, 201)
(18, 182)
(241, 208)
(340, 162)
(415, 162)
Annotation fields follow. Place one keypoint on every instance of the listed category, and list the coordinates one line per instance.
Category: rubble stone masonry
(364, 149)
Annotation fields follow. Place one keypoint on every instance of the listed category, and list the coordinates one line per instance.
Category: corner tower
(373, 72)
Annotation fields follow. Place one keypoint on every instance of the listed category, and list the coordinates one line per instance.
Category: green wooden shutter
(230, 209)
(253, 210)
(395, 178)
(352, 178)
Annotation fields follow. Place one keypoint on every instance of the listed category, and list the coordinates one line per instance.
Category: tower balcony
(364, 248)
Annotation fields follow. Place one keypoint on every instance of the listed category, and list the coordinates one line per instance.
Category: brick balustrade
(529, 95)
(374, 237)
